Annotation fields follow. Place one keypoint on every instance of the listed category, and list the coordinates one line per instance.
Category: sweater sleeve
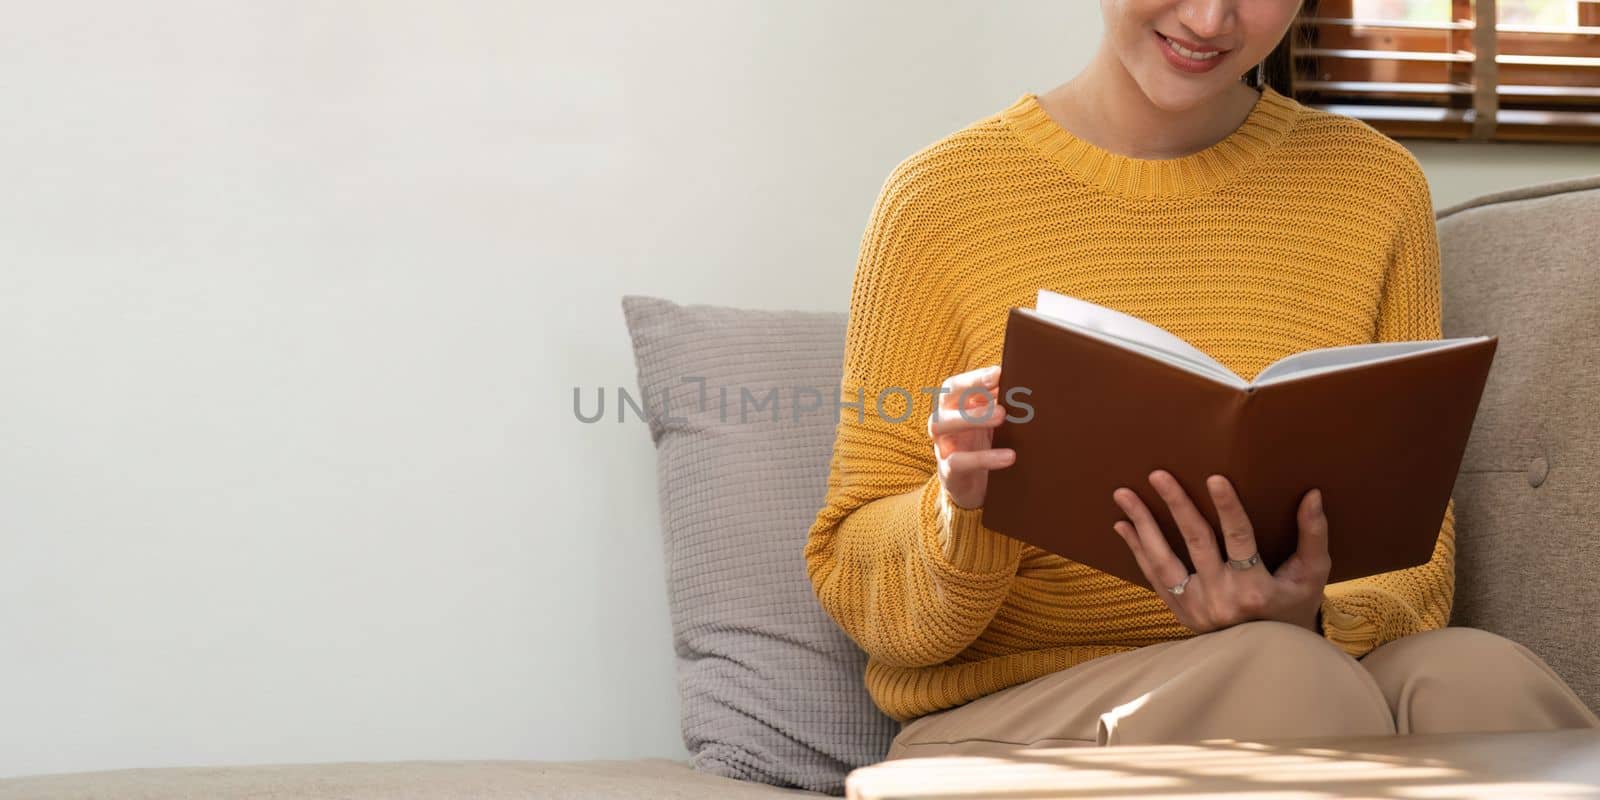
(911, 577)
(1359, 615)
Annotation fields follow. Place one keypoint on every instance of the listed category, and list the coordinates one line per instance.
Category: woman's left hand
(1218, 595)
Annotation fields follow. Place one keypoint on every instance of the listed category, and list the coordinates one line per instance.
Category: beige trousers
(1261, 680)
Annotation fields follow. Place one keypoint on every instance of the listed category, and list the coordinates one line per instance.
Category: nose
(1208, 18)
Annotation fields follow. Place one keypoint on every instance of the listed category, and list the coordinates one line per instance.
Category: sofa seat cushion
(1525, 765)
(641, 779)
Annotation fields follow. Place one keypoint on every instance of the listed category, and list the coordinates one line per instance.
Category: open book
(1154, 341)
(1098, 399)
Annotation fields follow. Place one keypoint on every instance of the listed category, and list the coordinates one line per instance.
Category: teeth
(1187, 53)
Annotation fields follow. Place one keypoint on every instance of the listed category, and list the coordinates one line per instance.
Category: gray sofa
(1523, 264)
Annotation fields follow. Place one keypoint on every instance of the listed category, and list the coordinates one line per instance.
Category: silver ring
(1179, 588)
(1245, 563)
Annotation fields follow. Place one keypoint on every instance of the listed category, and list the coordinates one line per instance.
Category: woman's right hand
(961, 441)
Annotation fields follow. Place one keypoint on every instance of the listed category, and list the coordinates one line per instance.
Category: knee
(1466, 679)
(1455, 654)
(1296, 676)
(1271, 636)
(1300, 662)
(1474, 643)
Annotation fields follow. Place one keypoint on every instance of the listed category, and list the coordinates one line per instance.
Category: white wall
(293, 296)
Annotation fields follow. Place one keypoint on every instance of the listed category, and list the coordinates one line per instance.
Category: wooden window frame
(1425, 79)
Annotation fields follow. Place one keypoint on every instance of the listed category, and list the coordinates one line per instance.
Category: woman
(1158, 183)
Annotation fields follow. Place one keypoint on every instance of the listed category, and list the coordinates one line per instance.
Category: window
(1455, 69)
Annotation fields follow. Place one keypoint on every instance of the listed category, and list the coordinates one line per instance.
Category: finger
(1238, 535)
(1162, 586)
(1165, 568)
(1197, 533)
(1130, 537)
(973, 460)
(987, 416)
(973, 402)
(1310, 562)
(982, 380)
(988, 376)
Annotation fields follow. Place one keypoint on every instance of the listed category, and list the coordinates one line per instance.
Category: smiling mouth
(1190, 51)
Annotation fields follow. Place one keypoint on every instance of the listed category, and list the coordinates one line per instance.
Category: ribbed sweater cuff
(1353, 633)
(965, 543)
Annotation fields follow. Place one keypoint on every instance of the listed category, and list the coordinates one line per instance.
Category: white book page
(1148, 338)
(1328, 359)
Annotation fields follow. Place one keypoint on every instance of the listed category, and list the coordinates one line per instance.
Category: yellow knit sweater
(1301, 229)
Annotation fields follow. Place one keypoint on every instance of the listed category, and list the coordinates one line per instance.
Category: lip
(1186, 64)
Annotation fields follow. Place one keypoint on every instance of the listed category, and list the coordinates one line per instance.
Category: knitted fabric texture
(1301, 229)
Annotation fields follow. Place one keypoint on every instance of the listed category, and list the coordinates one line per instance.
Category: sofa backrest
(1524, 265)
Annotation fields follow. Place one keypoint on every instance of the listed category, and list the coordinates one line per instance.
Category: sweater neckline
(1268, 122)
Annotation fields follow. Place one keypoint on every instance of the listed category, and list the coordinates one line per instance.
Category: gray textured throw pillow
(771, 688)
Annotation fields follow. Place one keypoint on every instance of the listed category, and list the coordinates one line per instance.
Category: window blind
(1455, 69)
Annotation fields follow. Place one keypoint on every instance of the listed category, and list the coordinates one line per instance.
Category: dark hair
(1277, 69)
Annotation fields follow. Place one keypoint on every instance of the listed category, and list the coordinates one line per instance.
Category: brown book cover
(1379, 428)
